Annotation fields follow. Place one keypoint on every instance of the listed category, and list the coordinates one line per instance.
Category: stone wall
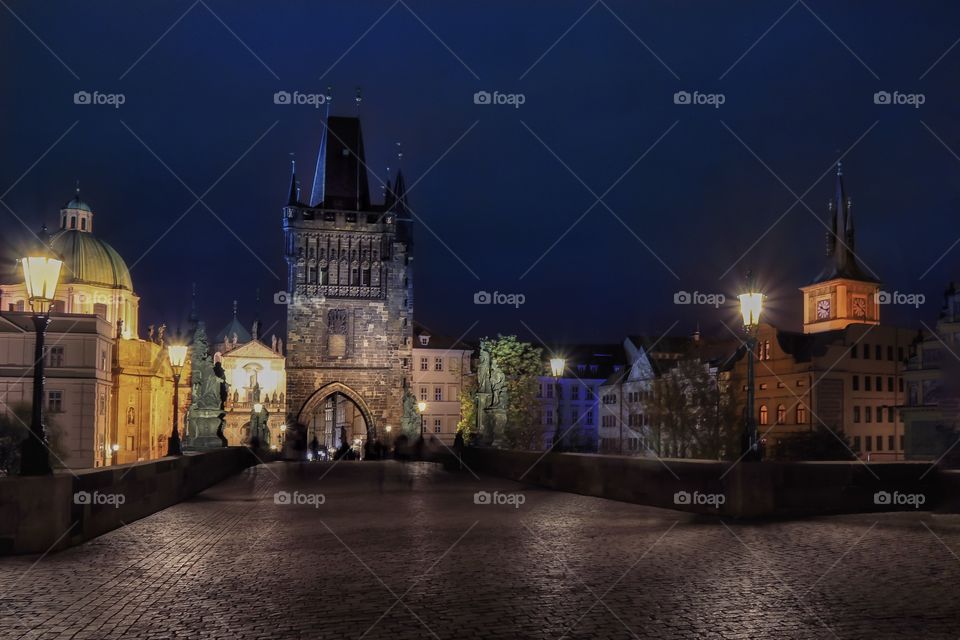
(39, 514)
(769, 489)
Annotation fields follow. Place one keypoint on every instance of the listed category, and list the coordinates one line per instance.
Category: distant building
(845, 370)
(572, 404)
(441, 370)
(256, 374)
(109, 394)
(931, 411)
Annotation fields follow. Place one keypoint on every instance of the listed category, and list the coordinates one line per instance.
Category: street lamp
(41, 275)
(178, 356)
(751, 306)
(557, 365)
(422, 407)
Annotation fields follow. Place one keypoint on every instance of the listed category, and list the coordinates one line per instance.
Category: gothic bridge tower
(350, 306)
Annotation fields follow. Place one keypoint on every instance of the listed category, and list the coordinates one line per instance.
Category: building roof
(340, 180)
(90, 260)
(841, 238)
(436, 341)
(233, 327)
(76, 203)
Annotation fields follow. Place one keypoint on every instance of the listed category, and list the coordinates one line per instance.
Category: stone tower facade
(350, 287)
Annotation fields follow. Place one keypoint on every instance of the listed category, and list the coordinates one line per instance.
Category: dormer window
(424, 339)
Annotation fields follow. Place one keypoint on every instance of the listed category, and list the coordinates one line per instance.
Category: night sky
(500, 185)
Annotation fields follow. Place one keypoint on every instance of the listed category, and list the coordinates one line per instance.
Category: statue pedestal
(206, 430)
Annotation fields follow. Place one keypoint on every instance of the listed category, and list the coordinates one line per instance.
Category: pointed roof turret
(294, 197)
(841, 256)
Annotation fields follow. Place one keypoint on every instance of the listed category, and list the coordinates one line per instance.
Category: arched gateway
(350, 293)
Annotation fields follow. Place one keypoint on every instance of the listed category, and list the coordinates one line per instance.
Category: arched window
(764, 415)
(801, 414)
(73, 222)
(781, 414)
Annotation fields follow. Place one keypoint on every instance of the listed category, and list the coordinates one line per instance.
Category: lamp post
(557, 365)
(422, 407)
(751, 306)
(41, 275)
(178, 355)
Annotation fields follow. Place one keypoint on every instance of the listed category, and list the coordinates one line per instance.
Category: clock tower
(842, 294)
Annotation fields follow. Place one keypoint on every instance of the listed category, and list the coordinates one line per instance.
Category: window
(574, 392)
(424, 364)
(766, 349)
(801, 383)
(55, 401)
(868, 414)
(856, 443)
(890, 417)
(890, 443)
(900, 357)
(801, 414)
(867, 383)
(890, 384)
(103, 403)
(856, 414)
(437, 425)
(574, 415)
(131, 443)
(764, 414)
(879, 385)
(590, 417)
(549, 416)
(866, 352)
(549, 390)
(781, 414)
(867, 440)
(103, 360)
(56, 356)
(900, 384)
(890, 357)
(879, 443)
(438, 394)
(856, 383)
(540, 390)
(423, 394)
(438, 364)
(878, 355)
(901, 442)
(73, 222)
(853, 351)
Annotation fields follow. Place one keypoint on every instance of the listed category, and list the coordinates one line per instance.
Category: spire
(234, 308)
(193, 305)
(294, 189)
(400, 193)
(317, 194)
(841, 256)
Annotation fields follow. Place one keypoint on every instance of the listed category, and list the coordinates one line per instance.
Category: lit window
(438, 364)
(764, 414)
(781, 414)
(438, 394)
(423, 393)
(801, 414)
(424, 364)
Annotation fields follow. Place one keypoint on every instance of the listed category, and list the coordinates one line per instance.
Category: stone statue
(209, 384)
(150, 332)
(273, 342)
(410, 421)
(491, 397)
(160, 333)
(280, 346)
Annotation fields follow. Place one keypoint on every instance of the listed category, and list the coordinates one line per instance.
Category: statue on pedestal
(206, 415)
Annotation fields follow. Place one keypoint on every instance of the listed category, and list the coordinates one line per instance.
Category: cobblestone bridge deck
(401, 552)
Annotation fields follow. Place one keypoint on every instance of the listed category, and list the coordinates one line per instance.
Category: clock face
(823, 309)
(860, 307)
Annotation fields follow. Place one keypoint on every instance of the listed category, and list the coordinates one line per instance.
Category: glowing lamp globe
(422, 406)
(751, 306)
(177, 354)
(557, 366)
(41, 275)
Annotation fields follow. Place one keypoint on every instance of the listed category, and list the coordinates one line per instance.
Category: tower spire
(317, 194)
(294, 197)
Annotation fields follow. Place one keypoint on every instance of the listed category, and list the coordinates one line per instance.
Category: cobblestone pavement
(402, 551)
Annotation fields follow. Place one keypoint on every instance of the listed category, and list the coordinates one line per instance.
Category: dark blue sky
(498, 199)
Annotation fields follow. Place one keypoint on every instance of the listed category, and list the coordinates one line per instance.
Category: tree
(468, 411)
(521, 364)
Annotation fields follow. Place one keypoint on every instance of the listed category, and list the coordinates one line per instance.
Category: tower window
(73, 222)
(83, 224)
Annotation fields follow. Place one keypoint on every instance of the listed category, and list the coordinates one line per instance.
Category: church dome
(77, 203)
(89, 260)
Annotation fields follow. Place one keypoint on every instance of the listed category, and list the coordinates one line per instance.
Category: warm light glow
(257, 407)
(751, 306)
(115, 447)
(283, 428)
(41, 275)
(389, 429)
(422, 406)
(177, 354)
(557, 365)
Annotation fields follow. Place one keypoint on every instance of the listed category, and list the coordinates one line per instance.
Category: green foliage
(468, 410)
(521, 364)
